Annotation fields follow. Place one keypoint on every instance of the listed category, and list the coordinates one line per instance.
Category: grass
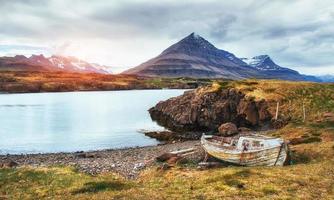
(21, 81)
(310, 175)
(302, 181)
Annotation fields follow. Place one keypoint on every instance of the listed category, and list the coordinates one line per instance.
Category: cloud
(295, 33)
(12, 50)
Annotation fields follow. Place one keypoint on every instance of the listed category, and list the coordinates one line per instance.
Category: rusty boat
(246, 149)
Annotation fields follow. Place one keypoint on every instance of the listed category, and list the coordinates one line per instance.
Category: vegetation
(310, 174)
(292, 96)
(314, 180)
(20, 81)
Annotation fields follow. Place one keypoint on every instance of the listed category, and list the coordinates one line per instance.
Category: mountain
(326, 78)
(53, 63)
(194, 56)
(268, 69)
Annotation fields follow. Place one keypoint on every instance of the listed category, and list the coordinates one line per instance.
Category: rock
(86, 155)
(161, 135)
(205, 110)
(263, 110)
(279, 123)
(9, 164)
(249, 109)
(173, 160)
(172, 137)
(227, 129)
(164, 157)
(139, 166)
(164, 166)
(244, 129)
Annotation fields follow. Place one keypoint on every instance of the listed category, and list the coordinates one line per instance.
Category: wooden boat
(246, 149)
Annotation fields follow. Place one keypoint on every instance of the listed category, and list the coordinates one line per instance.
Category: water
(75, 121)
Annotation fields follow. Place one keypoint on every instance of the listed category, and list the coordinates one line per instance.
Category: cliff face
(205, 109)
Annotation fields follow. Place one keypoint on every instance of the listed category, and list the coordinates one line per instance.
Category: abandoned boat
(246, 149)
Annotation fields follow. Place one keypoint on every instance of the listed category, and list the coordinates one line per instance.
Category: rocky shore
(126, 162)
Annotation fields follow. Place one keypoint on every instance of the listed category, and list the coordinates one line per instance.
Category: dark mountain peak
(195, 45)
(39, 59)
(262, 57)
(20, 57)
(191, 45)
(262, 62)
(37, 56)
(196, 38)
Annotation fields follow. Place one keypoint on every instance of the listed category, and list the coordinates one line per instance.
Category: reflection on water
(73, 121)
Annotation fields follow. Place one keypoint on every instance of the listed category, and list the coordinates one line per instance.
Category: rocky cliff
(204, 109)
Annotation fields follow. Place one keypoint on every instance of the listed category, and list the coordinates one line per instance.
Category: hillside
(44, 81)
(193, 56)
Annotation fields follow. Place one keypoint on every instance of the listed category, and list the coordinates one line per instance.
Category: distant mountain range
(194, 56)
(326, 78)
(53, 63)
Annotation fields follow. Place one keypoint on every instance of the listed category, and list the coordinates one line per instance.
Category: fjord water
(77, 121)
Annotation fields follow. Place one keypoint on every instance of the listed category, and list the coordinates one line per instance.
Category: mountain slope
(194, 56)
(268, 69)
(326, 78)
(53, 63)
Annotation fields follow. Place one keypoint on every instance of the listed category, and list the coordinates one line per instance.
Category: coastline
(38, 82)
(127, 162)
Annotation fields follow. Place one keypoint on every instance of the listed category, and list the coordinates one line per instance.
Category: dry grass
(13, 82)
(316, 97)
(301, 181)
(311, 175)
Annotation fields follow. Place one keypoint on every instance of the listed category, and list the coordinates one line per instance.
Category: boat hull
(274, 156)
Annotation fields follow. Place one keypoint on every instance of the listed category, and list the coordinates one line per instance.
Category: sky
(298, 34)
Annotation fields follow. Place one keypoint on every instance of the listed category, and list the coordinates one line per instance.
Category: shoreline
(127, 162)
(116, 90)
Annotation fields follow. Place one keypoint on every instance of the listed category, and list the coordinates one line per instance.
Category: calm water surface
(74, 121)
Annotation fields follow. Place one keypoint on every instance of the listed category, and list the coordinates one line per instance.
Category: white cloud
(297, 34)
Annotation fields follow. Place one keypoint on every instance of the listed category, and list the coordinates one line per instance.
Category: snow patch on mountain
(262, 62)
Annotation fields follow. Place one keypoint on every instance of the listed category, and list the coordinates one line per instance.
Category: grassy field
(310, 174)
(20, 81)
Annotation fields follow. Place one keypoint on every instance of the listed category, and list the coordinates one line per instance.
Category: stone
(227, 129)
(244, 129)
(205, 110)
(164, 157)
(10, 164)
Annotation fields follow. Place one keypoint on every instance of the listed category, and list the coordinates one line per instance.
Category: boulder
(161, 135)
(205, 110)
(244, 129)
(9, 164)
(227, 129)
(249, 109)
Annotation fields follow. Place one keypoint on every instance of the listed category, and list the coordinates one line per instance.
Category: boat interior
(243, 142)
